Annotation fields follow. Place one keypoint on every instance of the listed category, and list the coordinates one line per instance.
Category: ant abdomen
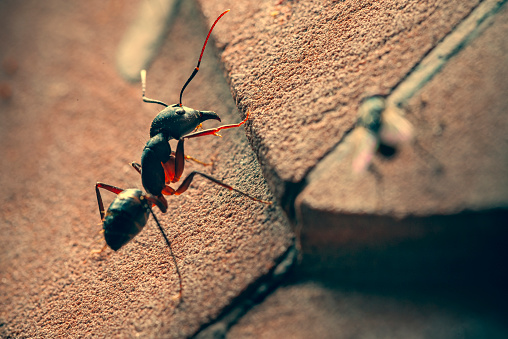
(125, 218)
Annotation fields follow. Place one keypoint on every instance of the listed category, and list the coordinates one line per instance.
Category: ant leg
(143, 88)
(99, 251)
(136, 166)
(191, 158)
(188, 157)
(170, 252)
(187, 181)
(198, 127)
(215, 131)
(179, 161)
(169, 169)
(110, 188)
(174, 167)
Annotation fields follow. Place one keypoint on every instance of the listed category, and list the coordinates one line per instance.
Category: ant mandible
(129, 212)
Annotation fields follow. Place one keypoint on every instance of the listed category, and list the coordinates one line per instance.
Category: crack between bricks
(435, 59)
(254, 294)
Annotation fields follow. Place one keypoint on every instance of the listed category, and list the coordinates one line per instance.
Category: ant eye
(180, 111)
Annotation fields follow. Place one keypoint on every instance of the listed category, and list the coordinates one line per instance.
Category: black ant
(129, 212)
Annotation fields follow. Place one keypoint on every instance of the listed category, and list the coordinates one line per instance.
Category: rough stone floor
(379, 131)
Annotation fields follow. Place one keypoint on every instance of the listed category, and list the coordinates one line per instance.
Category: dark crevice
(254, 294)
(463, 41)
(439, 42)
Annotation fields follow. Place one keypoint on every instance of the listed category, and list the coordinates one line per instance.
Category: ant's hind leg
(187, 181)
(136, 166)
(110, 188)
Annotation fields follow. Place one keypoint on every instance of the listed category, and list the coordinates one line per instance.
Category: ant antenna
(199, 61)
(143, 88)
(170, 250)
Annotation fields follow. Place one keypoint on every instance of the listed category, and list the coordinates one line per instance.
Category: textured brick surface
(302, 69)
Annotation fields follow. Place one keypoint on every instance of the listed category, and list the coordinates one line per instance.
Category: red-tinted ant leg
(110, 188)
(137, 166)
(168, 190)
(215, 131)
(169, 170)
(187, 181)
(179, 161)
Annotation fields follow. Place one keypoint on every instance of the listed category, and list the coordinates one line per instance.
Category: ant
(130, 210)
